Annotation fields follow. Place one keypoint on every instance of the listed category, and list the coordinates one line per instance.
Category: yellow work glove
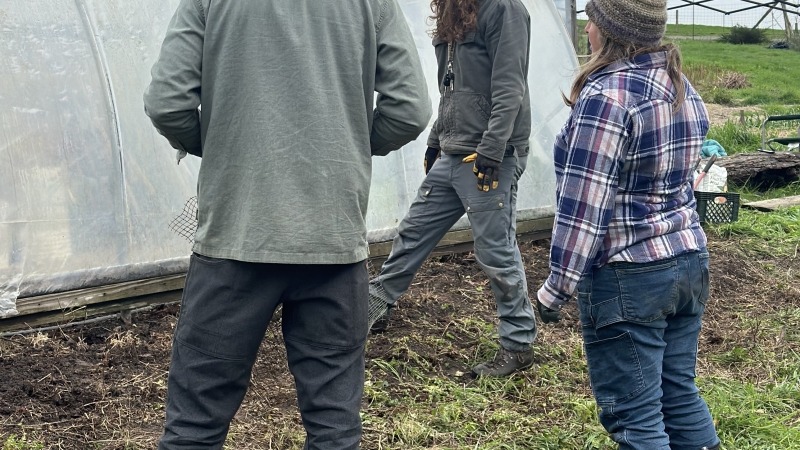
(487, 170)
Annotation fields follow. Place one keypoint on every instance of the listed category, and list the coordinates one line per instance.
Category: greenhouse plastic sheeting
(87, 186)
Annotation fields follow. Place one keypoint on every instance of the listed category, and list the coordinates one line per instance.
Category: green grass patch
(509, 413)
(771, 74)
(21, 442)
(775, 233)
(744, 134)
(749, 416)
(735, 138)
(713, 32)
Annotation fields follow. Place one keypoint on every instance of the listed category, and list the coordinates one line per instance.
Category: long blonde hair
(612, 51)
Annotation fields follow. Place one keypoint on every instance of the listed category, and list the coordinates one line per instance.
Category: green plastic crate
(717, 207)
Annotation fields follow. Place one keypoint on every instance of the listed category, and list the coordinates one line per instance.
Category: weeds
(15, 442)
(794, 42)
(744, 134)
(777, 232)
(753, 417)
(735, 138)
(744, 35)
(732, 80)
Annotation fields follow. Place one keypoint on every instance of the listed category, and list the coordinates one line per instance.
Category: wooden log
(73, 300)
(774, 203)
(762, 170)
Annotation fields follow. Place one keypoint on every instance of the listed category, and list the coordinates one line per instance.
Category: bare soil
(102, 385)
(719, 114)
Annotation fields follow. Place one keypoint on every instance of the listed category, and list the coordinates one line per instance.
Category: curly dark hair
(453, 19)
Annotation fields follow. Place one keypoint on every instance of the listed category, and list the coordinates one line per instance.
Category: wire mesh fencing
(185, 224)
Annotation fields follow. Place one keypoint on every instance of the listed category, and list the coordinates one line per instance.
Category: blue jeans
(641, 324)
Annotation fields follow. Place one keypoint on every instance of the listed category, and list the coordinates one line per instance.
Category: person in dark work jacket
(482, 128)
(288, 129)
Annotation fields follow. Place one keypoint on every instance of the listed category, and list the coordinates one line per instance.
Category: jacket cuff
(492, 150)
(189, 144)
(550, 297)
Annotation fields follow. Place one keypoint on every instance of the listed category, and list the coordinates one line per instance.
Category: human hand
(431, 155)
(548, 315)
(487, 170)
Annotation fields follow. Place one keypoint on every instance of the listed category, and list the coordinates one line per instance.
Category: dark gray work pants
(225, 310)
(448, 191)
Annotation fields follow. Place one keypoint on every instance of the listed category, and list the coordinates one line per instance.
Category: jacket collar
(646, 61)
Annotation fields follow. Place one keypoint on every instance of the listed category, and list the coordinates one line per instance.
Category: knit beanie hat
(638, 22)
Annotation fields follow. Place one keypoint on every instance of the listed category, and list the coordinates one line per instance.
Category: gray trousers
(449, 190)
(226, 308)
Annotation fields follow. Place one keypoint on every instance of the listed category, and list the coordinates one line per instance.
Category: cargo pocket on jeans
(490, 224)
(614, 369)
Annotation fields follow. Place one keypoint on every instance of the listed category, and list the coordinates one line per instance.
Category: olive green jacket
(290, 119)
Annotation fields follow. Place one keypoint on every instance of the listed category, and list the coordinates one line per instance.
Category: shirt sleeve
(403, 106)
(433, 136)
(588, 164)
(508, 44)
(173, 96)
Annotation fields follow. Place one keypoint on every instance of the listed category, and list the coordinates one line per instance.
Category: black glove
(431, 155)
(487, 170)
(548, 315)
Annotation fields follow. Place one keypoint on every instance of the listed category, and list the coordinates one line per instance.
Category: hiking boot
(505, 363)
(379, 311)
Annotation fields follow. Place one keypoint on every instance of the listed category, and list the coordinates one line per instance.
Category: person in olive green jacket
(289, 124)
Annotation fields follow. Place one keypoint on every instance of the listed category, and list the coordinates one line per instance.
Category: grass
(774, 233)
(713, 32)
(750, 416)
(744, 133)
(770, 75)
(438, 412)
(553, 408)
(753, 386)
(21, 442)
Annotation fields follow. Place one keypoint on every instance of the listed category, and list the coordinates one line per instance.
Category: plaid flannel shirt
(624, 163)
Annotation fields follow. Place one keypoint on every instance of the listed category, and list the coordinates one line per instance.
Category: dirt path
(719, 114)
